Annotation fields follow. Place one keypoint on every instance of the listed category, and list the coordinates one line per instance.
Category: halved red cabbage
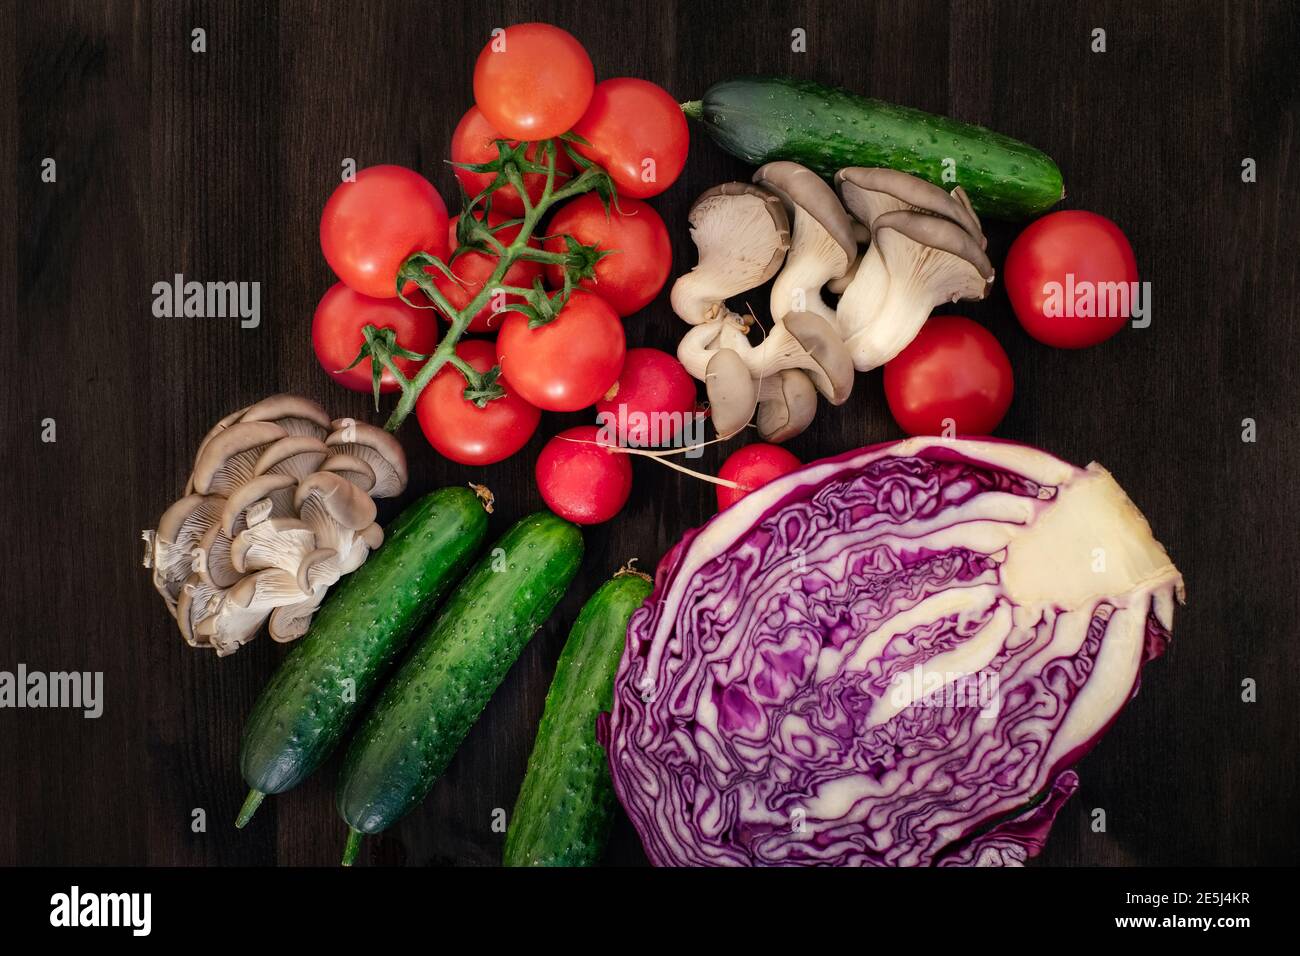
(890, 658)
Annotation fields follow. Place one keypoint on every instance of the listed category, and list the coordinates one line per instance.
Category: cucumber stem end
(354, 844)
(694, 109)
(251, 803)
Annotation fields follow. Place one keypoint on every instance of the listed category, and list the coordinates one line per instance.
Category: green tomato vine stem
(510, 166)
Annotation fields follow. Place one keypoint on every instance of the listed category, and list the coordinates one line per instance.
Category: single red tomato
(533, 81)
(651, 401)
(1071, 277)
(336, 335)
(952, 379)
(474, 268)
(568, 363)
(640, 252)
(461, 430)
(474, 141)
(638, 133)
(752, 467)
(372, 225)
(580, 480)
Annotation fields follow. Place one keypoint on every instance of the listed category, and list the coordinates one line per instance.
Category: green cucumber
(426, 711)
(363, 625)
(566, 803)
(763, 119)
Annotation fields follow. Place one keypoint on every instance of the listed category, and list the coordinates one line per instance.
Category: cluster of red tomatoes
(532, 82)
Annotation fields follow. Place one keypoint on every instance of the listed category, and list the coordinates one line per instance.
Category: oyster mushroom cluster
(890, 245)
(279, 506)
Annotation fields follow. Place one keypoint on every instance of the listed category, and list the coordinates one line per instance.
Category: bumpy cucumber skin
(302, 713)
(826, 129)
(566, 803)
(441, 689)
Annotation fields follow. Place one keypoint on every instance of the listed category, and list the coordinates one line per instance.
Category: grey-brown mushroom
(927, 261)
(742, 233)
(278, 507)
(787, 403)
(822, 244)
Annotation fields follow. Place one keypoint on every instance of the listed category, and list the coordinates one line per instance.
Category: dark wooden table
(216, 165)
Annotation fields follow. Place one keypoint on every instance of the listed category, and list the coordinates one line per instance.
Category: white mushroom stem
(702, 341)
(814, 259)
(862, 300)
(929, 261)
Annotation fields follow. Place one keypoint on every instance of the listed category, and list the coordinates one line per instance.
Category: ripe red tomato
(372, 225)
(474, 141)
(461, 430)
(651, 401)
(336, 335)
(568, 363)
(581, 481)
(533, 81)
(638, 133)
(641, 255)
(1068, 250)
(475, 268)
(954, 379)
(752, 467)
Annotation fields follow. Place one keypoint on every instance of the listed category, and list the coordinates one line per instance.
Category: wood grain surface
(216, 165)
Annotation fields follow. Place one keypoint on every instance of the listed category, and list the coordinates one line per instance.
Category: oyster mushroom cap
(277, 543)
(244, 608)
(732, 391)
(823, 244)
(291, 621)
(257, 489)
(212, 558)
(788, 408)
(342, 501)
(871, 193)
(295, 414)
(742, 233)
(929, 261)
(227, 459)
(215, 430)
(807, 341)
(294, 455)
(377, 448)
(196, 602)
(352, 468)
(172, 543)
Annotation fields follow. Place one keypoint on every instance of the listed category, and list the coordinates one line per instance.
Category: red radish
(651, 400)
(581, 481)
(752, 467)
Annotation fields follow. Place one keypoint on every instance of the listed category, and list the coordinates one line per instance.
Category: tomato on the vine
(640, 252)
(474, 141)
(473, 268)
(1057, 265)
(337, 339)
(568, 363)
(581, 481)
(533, 81)
(372, 225)
(953, 378)
(462, 431)
(637, 132)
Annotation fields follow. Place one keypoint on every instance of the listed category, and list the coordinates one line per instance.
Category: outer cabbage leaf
(890, 658)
